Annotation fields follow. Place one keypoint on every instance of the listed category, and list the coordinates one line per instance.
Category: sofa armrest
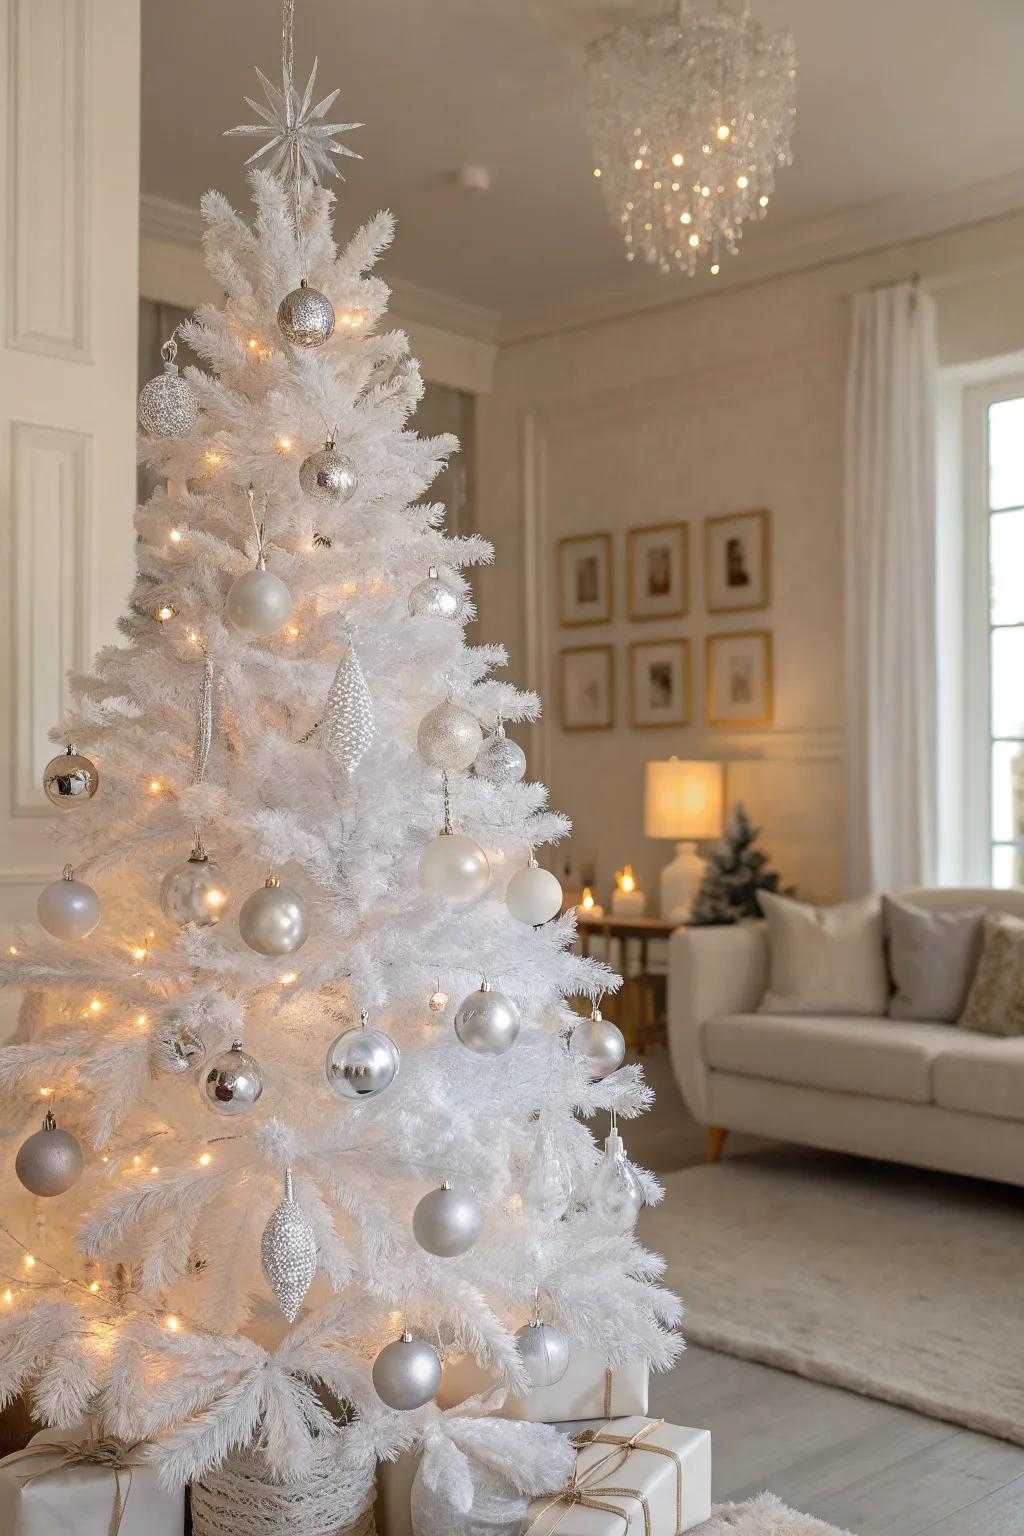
(712, 971)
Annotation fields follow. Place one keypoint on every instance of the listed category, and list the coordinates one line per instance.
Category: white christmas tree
(277, 851)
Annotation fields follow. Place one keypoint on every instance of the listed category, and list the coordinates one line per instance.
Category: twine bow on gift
(94, 1451)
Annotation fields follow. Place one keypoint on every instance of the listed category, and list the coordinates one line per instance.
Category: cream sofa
(931, 1094)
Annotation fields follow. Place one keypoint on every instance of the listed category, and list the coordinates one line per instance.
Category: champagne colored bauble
(258, 604)
(306, 316)
(361, 1063)
(487, 1022)
(69, 909)
(70, 779)
(168, 405)
(179, 1051)
(195, 893)
(448, 736)
(233, 1082)
(501, 760)
(454, 866)
(50, 1161)
(544, 1352)
(448, 1221)
(434, 598)
(289, 1252)
(534, 895)
(601, 1044)
(328, 477)
(406, 1374)
(272, 921)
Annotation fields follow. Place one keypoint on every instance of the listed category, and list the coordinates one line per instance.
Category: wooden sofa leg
(716, 1143)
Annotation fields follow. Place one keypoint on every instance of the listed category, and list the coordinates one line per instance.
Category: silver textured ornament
(600, 1042)
(70, 779)
(361, 1063)
(179, 1051)
(233, 1082)
(289, 1252)
(168, 405)
(50, 1161)
(348, 726)
(258, 603)
(68, 908)
(534, 895)
(501, 760)
(196, 893)
(434, 598)
(406, 1374)
(487, 1022)
(448, 736)
(272, 921)
(306, 316)
(447, 1221)
(328, 477)
(453, 865)
(544, 1352)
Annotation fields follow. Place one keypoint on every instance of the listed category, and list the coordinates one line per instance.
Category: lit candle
(627, 899)
(588, 907)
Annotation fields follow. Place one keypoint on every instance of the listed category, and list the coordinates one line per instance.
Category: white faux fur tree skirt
(763, 1516)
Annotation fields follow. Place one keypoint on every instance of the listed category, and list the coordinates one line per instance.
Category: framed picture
(659, 683)
(585, 580)
(587, 688)
(739, 678)
(737, 556)
(658, 571)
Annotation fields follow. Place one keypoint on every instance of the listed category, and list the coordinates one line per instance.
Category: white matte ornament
(234, 1082)
(258, 604)
(544, 1352)
(534, 895)
(434, 598)
(70, 779)
(168, 405)
(501, 760)
(449, 736)
(50, 1161)
(289, 1252)
(361, 1063)
(453, 865)
(68, 908)
(447, 1221)
(487, 1022)
(306, 316)
(196, 893)
(272, 921)
(406, 1373)
(327, 477)
(601, 1044)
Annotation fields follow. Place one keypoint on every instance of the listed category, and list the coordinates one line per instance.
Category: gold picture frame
(662, 695)
(739, 678)
(658, 571)
(585, 589)
(586, 693)
(737, 562)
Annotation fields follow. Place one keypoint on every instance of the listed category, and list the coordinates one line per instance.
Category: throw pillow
(825, 959)
(933, 956)
(995, 1003)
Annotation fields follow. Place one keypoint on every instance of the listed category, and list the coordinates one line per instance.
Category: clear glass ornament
(616, 1193)
(547, 1188)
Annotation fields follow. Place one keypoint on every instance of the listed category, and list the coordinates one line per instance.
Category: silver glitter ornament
(453, 865)
(447, 1221)
(196, 893)
(448, 736)
(233, 1082)
(501, 760)
(272, 921)
(544, 1352)
(179, 1051)
(168, 405)
(487, 1022)
(289, 1252)
(328, 477)
(70, 779)
(406, 1374)
(258, 603)
(306, 316)
(534, 895)
(69, 909)
(50, 1161)
(601, 1044)
(361, 1063)
(348, 726)
(434, 598)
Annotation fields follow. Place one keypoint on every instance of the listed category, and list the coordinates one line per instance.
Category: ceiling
(909, 120)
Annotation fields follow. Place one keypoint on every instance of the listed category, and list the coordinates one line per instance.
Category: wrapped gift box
(589, 1389)
(42, 1492)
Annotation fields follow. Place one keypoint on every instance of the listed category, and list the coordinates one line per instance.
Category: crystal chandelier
(690, 113)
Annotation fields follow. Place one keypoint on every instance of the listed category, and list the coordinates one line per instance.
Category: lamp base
(680, 882)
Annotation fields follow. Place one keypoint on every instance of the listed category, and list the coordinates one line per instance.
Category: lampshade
(683, 800)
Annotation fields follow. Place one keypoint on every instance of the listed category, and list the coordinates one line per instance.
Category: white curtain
(891, 747)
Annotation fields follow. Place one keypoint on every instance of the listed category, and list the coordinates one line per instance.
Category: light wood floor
(865, 1466)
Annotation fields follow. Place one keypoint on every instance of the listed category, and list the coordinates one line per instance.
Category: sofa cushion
(983, 1075)
(933, 956)
(874, 1056)
(825, 959)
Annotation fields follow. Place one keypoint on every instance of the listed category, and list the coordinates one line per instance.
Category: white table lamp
(685, 801)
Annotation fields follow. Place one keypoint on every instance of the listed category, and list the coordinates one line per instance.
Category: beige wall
(717, 404)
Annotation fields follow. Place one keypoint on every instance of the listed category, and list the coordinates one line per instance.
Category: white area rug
(763, 1516)
(897, 1284)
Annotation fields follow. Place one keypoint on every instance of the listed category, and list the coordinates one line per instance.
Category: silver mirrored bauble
(258, 604)
(233, 1082)
(453, 865)
(272, 921)
(50, 1161)
(179, 1051)
(500, 760)
(434, 598)
(168, 405)
(448, 736)
(289, 1252)
(487, 1022)
(447, 1221)
(601, 1044)
(406, 1374)
(534, 895)
(68, 908)
(328, 477)
(70, 779)
(544, 1352)
(195, 893)
(361, 1063)
(306, 316)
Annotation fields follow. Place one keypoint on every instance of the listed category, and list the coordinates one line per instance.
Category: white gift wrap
(588, 1390)
(38, 1500)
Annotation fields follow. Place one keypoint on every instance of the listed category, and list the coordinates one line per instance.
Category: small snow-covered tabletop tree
(301, 974)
